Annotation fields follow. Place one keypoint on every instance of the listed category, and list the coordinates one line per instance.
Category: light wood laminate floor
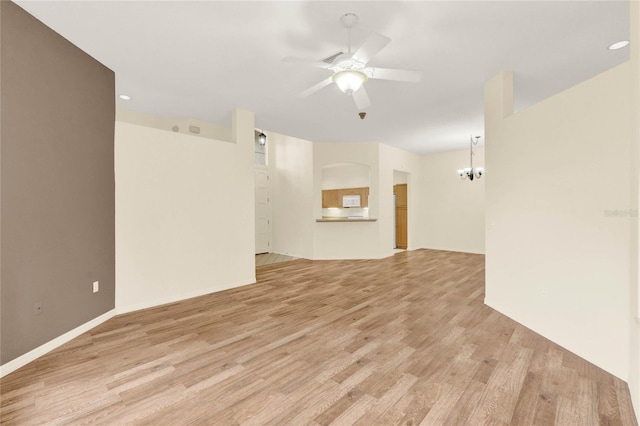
(270, 258)
(405, 340)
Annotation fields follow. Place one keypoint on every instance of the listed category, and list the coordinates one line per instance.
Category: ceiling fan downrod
(348, 21)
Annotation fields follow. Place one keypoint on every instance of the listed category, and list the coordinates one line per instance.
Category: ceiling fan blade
(409, 76)
(307, 62)
(372, 45)
(313, 89)
(361, 99)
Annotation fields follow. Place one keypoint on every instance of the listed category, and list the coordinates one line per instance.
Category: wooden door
(400, 192)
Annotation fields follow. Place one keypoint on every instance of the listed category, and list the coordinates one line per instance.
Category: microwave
(351, 201)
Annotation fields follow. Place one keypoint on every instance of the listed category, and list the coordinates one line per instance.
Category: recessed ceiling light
(619, 45)
(125, 97)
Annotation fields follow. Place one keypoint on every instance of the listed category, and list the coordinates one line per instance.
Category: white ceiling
(201, 59)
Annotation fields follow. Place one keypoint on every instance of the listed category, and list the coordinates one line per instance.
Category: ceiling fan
(350, 70)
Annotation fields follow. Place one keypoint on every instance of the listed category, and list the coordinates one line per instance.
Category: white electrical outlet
(96, 286)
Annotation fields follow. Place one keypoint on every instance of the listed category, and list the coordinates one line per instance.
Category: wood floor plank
(403, 340)
(392, 395)
(503, 388)
(445, 401)
(271, 258)
(354, 412)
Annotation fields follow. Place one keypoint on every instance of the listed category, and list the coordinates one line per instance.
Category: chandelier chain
(471, 172)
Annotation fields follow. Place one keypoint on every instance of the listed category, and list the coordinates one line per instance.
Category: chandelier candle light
(471, 172)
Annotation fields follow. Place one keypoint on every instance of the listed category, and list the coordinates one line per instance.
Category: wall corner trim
(41, 350)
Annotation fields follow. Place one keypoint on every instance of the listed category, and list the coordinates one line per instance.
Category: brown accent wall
(57, 114)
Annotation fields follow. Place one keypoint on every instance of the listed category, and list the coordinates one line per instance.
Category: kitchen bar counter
(346, 219)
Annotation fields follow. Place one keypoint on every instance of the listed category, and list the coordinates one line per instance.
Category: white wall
(184, 213)
(400, 177)
(555, 261)
(291, 172)
(337, 176)
(184, 125)
(453, 209)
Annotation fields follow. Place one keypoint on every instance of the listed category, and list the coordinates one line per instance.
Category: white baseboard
(454, 250)
(178, 297)
(558, 340)
(23, 360)
(41, 350)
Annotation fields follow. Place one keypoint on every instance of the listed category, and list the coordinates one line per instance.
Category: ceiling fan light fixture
(349, 81)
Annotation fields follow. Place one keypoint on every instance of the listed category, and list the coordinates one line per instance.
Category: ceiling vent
(332, 58)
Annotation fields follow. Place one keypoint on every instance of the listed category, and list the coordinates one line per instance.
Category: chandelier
(471, 172)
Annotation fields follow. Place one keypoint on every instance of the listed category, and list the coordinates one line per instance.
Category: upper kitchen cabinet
(330, 198)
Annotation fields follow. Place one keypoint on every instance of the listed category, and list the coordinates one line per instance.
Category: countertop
(346, 219)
